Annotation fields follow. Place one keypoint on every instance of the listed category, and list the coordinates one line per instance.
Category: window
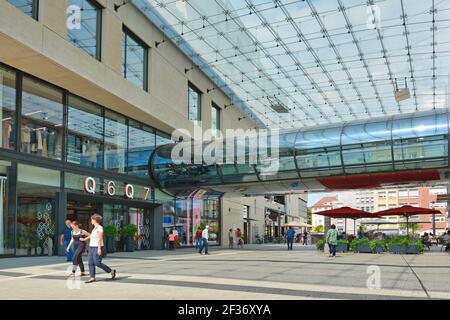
(194, 104)
(85, 133)
(116, 136)
(8, 106)
(437, 191)
(413, 193)
(134, 59)
(42, 119)
(141, 143)
(215, 119)
(29, 7)
(84, 26)
(403, 194)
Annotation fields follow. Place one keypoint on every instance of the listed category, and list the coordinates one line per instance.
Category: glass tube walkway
(407, 142)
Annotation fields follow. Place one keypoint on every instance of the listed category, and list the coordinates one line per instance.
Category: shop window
(7, 108)
(84, 26)
(7, 217)
(42, 119)
(116, 133)
(134, 59)
(141, 144)
(85, 133)
(29, 7)
(36, 210)
(215, 119)
(194, 104)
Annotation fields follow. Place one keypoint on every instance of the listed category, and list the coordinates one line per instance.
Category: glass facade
(141, 143)
(134, 59)
(194, 104)
(215, 119)
(7, 108)
(29, 7)
(36, 209)
(84, 26)
(403, 142)
(85, 125)
(192, 212)
(42, 119)
(116, 139)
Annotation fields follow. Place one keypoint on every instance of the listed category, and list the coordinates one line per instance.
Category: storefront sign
(110, 189)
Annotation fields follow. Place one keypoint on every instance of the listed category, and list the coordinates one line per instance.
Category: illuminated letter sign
(89, 185)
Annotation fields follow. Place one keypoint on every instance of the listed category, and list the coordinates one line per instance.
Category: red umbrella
(347, 213)
(407, 211)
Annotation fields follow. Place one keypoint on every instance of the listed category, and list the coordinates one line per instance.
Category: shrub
(110, 230)
(320, 243)
(129, 230)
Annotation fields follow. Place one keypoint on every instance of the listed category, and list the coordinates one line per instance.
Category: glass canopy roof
(325, 61)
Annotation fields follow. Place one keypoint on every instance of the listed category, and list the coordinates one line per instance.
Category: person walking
(198, 239)
(78, 246)
(290, 237)
(240, 241)
(331, 239)
(172, 238)
(66, 236)
(97, 249)
(205, 235)
(305, 238)
(230, 239)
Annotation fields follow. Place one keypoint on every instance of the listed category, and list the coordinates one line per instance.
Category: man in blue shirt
(66, 235)
(290, 238)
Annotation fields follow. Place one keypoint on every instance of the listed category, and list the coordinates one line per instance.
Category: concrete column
(111, 40)
(156, 222)
(53, 15)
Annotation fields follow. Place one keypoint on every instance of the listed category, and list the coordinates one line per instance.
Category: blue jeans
(332, 249)
(198, 243)
(204, 246)
(290, 241)
(305, 241)
(96, 261)
(69, 255)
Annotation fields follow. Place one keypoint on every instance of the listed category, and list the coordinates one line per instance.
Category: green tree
(318, 229)
(413, 227)
(309, 216)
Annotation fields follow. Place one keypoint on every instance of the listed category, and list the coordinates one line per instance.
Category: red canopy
(346, 213)
(407, 211)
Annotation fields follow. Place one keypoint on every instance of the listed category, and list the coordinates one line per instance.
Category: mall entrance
(117, 212)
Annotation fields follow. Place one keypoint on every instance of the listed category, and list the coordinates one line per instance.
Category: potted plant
(342, 246)
(377, 246)
(320, 244)
(110, 231)
(129, 232)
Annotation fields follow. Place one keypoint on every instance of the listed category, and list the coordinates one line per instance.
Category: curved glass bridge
(413, 146)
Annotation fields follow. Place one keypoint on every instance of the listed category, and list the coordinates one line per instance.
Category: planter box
(110, 245)
(321, 248)
(342, 248)
(363, 248)
(129, 244)
(393, 248)
(378, 249)
(412, 249)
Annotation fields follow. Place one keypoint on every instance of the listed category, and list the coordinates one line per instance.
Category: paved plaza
(255, 272)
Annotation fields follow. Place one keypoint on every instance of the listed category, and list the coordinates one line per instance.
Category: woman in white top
(97, 249)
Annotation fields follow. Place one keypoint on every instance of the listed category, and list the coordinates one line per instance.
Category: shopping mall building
(82, 109)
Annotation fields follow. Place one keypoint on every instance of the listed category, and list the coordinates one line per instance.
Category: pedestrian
(172, 238)
(240, 241)
(205, 235)
(331, 239)
(78, 248)
(305, 238)
(66, 235)
(198, 239)
(230, 239)
(290, 237)
(175, 242)
(97, 249)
